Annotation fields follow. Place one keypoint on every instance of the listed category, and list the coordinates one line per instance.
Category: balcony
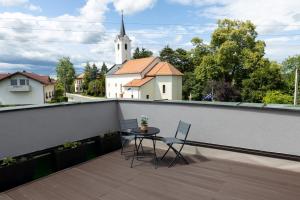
(19, 88)
(235, 151)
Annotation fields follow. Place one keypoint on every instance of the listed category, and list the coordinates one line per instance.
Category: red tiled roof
(138, 82)
(135, 66)
(164, 69)
(46, 80)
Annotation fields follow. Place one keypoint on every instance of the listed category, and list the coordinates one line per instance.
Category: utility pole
(296, 87)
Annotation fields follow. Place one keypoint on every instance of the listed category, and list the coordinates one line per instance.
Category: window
(147, 96)
(125, 46)
(27, 81)
(164, 89)
(46, 95)
(118, 46)
(14, 82)
(49, 94)
(132, 96)
(22, 81)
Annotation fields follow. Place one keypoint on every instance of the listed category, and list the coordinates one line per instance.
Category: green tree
(167, 54)
(144, 53)
(266, 78)
(104, 69)
(87, 76)
(96, 88)
(94, 72)
(65, 73)
(288, 69)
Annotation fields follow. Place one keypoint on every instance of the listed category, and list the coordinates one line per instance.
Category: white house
(79, 83)
(145, 78)
(22, 88)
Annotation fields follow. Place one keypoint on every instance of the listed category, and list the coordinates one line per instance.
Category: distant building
(145, 78)
(22, 88)
(79, 83)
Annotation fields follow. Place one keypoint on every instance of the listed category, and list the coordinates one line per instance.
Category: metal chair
(182, 130)
(126, 136)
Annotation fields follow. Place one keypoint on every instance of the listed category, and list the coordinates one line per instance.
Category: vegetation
(232, 67)
(59, 94)
(7, 161)
(65, 74)
(94, 80)
(143, 53)
(70, 145)
(277, 97)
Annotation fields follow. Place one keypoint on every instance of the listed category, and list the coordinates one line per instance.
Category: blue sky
(34, 34)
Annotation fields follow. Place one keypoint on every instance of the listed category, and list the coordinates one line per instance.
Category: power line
(133, 23)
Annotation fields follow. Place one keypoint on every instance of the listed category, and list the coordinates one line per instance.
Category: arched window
(125, 46)
(164, 89)
(118, 46)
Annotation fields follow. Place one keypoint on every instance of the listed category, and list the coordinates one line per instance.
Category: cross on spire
(122, 30)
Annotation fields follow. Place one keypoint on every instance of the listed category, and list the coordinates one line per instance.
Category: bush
(277, 97)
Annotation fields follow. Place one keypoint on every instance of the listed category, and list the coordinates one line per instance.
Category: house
(79, 83)
(145, 78)
(22, 88)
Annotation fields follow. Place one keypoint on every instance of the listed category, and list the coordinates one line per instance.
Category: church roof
(164, 69)
(81, 76)
(122, 29)
(135, 66)
(138, 82)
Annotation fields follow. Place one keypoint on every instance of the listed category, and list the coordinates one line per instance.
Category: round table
(149, 134)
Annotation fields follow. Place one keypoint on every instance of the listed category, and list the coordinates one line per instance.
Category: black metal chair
(182, 130)
(126, 136)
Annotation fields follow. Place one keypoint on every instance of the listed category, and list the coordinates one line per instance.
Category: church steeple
(122, 45)
(122, 30)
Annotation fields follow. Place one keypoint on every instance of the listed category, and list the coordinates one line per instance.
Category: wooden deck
(110, 178)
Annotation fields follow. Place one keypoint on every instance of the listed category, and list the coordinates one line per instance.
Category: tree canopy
(65, 73)
(143, 53)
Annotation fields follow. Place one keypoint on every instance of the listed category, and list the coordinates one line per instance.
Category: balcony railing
(19, 88)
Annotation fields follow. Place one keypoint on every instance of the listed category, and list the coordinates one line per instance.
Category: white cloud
(22, 3)
(133, 6)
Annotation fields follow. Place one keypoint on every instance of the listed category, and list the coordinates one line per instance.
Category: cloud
(133, 6)
(20, 3)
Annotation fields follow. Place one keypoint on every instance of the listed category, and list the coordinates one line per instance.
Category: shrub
(277, 97)
(8, 161)
(70, 145)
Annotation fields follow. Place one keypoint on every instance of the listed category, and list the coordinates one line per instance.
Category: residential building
(22, 88)
(79, 83)
(145, 78)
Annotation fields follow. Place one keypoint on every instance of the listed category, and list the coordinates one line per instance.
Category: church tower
(122, 45)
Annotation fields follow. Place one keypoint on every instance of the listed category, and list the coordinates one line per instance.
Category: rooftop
(138, 82)
(109, 178)
(46, 80)
(164, 69)
(135, 66)
(235, 151)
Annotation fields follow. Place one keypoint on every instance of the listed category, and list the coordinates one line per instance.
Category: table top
(151, 131)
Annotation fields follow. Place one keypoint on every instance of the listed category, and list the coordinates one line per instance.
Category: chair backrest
(183, 130)
(128, 124)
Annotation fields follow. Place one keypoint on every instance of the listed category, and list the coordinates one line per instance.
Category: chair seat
(128, 137)
(172, 140)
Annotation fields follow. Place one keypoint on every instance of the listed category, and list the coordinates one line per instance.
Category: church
(145, 78)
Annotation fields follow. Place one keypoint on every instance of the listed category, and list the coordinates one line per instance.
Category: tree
(144, 53)
(87, 76)
(65, 73)
(266, 78)
(104, 69)
(96, 88)
(94, 72)
(288, 69)
(167, 54)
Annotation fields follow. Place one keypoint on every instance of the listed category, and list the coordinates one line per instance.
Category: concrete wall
(24, 131)
(253, 128)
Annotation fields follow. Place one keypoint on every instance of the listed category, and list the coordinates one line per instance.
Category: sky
(34, 34)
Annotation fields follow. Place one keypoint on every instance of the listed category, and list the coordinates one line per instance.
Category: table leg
(154, 149)
(134, 151)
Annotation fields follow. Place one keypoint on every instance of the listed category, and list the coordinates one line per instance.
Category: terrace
(236, 151)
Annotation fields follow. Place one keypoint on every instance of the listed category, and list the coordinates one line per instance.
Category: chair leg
(178, 153)
(170, 145)
(174, 161)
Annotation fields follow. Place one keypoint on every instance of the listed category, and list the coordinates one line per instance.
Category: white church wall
(148, 89)
(115, 83)
(162, 81)
(177, 88)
